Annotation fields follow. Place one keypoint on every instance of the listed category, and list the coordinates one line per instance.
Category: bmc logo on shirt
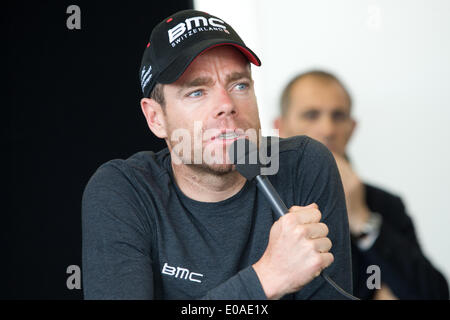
(181, 273)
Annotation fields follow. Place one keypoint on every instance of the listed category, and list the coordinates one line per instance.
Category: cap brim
(180, 64)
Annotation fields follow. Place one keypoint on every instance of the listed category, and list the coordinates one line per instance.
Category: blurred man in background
(317, 104)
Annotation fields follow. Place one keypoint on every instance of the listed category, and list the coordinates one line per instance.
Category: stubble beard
(218, 168)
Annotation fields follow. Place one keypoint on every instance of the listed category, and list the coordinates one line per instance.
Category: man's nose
(327, 128)
(224, 105)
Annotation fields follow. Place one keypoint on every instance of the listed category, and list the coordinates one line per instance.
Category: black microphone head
(244, 154)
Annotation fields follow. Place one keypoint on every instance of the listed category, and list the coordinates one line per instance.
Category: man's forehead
(319, 94)
(321, 107)
(318, 101)
(226, 59)
(310, 84)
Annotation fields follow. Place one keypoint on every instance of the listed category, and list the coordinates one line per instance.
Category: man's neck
(203, 186)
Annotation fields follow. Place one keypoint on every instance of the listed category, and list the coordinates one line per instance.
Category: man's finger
(322, 245)
(317, 230)
(327, 259)
(306, 216)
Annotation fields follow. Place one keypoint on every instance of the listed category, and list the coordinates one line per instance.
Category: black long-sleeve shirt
(403, 266)
(144, 239)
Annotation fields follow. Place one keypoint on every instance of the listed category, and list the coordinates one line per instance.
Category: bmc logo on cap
(185, 26)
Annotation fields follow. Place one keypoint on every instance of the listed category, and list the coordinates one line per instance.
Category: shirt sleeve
(245, 285)
(116, 242)
(319, 182)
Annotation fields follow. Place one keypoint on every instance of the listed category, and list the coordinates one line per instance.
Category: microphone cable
(337, 288)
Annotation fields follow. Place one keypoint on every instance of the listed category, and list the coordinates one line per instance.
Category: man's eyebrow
(200, 81)
(197, 82)
(207, 81)
(340, 109)
(238, 75)
(310, 108)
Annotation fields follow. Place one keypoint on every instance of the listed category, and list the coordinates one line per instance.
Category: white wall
(395, 58)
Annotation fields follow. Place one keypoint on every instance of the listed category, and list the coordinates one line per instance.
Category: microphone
(245, 156)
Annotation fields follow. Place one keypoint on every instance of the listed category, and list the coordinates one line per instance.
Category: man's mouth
(227, 136)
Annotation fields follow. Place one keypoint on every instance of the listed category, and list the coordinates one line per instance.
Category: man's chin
(216, 169)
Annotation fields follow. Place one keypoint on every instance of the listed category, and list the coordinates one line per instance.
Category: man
(170, 225)
(316, 104)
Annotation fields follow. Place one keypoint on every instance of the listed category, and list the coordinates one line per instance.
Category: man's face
(215, 92)
(320, 109)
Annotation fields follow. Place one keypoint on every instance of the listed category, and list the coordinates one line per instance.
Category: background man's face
(216, 89)
(320, 109)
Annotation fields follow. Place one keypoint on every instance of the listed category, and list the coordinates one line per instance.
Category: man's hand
(384, 293)
(355, 197)
(297, 252)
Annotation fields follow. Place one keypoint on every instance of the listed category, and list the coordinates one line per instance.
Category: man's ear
(155, 117)
(277, 124)
(354, 125)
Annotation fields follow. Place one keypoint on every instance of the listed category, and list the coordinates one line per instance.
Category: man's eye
(197, 93)
(339, 116)
(310, 115)
(242, 86)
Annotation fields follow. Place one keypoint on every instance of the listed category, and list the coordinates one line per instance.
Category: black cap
(178, 39)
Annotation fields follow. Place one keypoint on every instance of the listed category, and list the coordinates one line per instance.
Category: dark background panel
(71, 104)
